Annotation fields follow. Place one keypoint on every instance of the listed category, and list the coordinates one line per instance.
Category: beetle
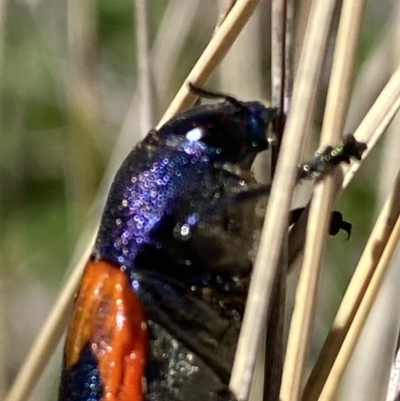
(159, 310)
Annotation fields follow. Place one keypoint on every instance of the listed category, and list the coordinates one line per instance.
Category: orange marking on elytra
(109, 317)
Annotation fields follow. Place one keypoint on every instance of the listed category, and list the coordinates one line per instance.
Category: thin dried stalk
(376, 121)
(282, 54)
(240, 70)
(394, 388)
(240, 74)
(49, 337)
(390, 150)
(212, 56)
(3, 10)
(331, 385)
(383, 322)
(354, 294)
(83, 154)
(278, 35)
(289, 56)
(227, 8)
(3, 14)
(83, 122)
(281, 58)
(167, 46)
(273, 232)
(2, 345)
(371, 78)
(373, 125)
(321, 205)
(170, 40)
(145, 81)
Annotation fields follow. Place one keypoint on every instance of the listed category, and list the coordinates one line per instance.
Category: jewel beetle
(158, 313)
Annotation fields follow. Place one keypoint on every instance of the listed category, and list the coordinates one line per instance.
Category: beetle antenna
(211, 94)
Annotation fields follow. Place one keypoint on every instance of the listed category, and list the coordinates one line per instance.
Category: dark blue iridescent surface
(82, 382)
(176, 173)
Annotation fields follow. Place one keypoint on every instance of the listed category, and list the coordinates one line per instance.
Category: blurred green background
(70, 112)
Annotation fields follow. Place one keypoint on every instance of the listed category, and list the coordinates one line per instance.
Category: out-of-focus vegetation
(61, 116)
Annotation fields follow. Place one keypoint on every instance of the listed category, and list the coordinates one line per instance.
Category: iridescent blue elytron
(173, 223)
(176, 173)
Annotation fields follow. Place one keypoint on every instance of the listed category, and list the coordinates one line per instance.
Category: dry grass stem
(2, 301)
(355, 292)
(3, 11)
(377, 120)
(336, 373)
(243, 60)
(372, 76)
(81, 30)
(212, 55)
(227, 8)
(82, 99)
(169, 42)
(289, 56)
(2, 349)
(171, 37)
(50, 335)
(145, 81)
(278, 33)
(282, 53)
(267, 260)
(321, 204)
(240, 74)
(393, 392)
(274, 338)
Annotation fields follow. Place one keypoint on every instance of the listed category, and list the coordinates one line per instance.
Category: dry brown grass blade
(3, 10)
(319, 217)
(289, 55)
(281, 72)
(212, 55)
(2, 347)
(376, 121)
(243, 59)
(50, 335)
(282, 53)
(374, 124)
(82, 104)
(83, 124)
(370, 129)
(145, 81)
(227, 8)
(278, 33)
(171, 37)
(167, 46)
(240, 73)
(393, 388)
(332, 383)
(354, 294)
(267, 259)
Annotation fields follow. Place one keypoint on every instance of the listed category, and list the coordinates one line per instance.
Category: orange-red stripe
(109, 317)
